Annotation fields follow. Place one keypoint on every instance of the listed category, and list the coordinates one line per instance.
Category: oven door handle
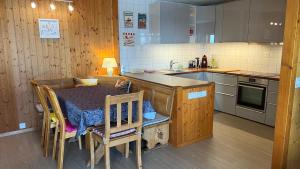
(253, 87)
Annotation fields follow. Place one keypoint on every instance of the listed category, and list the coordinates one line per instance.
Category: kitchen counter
(166, 80)
(192, 107)
(270, 76)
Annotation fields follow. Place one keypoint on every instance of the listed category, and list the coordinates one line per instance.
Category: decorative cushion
(53, 117)
(39, 108)
(100, 131)
(150, 115)
(124, 85)
(69, 127)
(85, 82)
(158, 119)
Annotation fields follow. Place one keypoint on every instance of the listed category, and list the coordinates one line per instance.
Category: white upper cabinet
(171, 22)
(234, 18)
(260, 21)
(205, 24)
(266, 21)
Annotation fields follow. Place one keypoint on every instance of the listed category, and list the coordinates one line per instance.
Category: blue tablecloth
(84, 106)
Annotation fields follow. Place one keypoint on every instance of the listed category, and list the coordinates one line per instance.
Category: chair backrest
(41, 96)
(118, 100)
(52, 98)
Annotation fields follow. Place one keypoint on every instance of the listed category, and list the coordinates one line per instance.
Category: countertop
(165, 77)
(269, 76)
(167, 80)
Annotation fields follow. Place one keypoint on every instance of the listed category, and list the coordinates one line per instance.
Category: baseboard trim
(17, 132)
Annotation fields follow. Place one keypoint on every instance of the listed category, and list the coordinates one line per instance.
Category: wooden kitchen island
(192, 106)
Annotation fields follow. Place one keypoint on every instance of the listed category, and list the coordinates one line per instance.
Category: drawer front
(226, 89)
(251, 114)
(273, 86)
(196, 76)
(272, 97)
(225, 79)
(271, 115)
(225, 103)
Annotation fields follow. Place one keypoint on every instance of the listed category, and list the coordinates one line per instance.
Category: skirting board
(17, 132)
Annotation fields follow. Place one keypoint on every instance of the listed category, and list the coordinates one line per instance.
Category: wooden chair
(61, 127)
(121, 133)
(49, 119)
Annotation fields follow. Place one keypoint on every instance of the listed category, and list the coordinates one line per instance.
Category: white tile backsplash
(245, 56)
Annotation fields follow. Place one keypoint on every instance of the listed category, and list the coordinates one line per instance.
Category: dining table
(84, 106)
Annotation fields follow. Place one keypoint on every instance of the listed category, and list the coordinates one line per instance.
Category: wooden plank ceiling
(88, 34)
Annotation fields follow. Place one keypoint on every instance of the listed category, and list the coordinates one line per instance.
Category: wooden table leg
(99, 153)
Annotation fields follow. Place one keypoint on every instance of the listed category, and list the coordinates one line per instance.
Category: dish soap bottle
(213, 62)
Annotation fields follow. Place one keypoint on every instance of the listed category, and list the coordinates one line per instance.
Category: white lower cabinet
(272, 102)
(271, 115)
(251, 114)
(225, 103)
(225, 98)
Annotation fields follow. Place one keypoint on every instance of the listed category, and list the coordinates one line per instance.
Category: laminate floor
(237, 144)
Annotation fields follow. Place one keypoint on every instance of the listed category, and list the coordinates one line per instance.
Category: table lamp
(109, 64)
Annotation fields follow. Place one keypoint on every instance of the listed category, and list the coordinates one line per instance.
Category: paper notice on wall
(297, 85)
(129, 39)
(128, 19)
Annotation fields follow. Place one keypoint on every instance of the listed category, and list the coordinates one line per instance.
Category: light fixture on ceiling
(33, 4)
(70, 7)
(52, 6)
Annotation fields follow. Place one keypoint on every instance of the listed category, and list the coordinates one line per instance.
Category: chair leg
(60, 161)
(126, 150)
(54, 142)
(92, 151)
(138, 150)
(47, 136)
(107, 156)
(79, 143)
(43, 131)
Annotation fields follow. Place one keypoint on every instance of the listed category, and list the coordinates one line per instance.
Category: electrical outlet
(297, 82)
(22, 125)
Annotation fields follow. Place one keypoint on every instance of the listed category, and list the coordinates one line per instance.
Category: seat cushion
(100, 131)
(158, 119)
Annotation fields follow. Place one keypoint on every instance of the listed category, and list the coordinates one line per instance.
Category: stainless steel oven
(252, 93)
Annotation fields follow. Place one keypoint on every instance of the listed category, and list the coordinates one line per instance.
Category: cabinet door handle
(224, 84)
(225, 94)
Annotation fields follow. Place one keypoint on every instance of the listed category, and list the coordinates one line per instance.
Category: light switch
(22, 125)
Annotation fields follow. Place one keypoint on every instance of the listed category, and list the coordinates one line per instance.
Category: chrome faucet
(171, 64)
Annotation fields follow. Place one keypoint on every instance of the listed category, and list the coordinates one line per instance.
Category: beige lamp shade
(109, 63)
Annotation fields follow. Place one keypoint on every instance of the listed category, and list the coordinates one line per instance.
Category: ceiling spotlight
(70, 7)
(33, 5)
(275, 23)
(52, 6)
(271, 23)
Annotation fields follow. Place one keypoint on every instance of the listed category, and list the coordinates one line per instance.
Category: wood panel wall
(88, 34)
(286, 151)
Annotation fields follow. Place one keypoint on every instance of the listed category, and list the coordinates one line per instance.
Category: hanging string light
(70, 7)
(52, 6)
(33, 4)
